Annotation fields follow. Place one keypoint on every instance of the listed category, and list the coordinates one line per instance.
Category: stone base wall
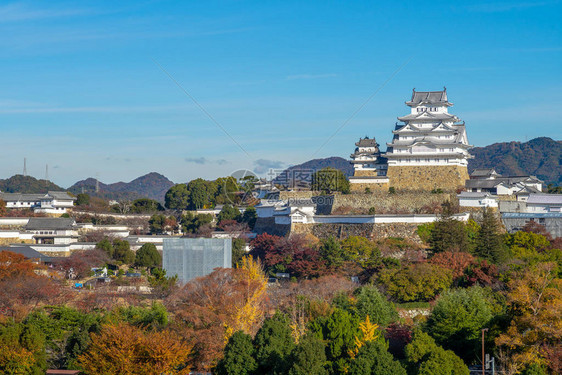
(360, 188)
(427, 178)
(360, 173)
(8, 241)
(373, 231)
(385, 203)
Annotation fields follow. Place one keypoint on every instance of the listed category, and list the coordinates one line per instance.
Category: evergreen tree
(148, 256)
(425, 357)
(177, 198)
(369, 301)
(273, 343)
(250, 216)
(309, 357)
(229, 213)
(238, 356)
(449, 234)
(328, 180)
(489, 241)
(332, 252)
(374, 358)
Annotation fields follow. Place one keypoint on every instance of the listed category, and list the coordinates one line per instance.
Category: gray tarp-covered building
(190, 258)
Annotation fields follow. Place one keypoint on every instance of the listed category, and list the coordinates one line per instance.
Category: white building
(429, 135)
(489, 181)
(367, 160)
(470, 199)
(544, 203)
(53, 231)
(54, 202)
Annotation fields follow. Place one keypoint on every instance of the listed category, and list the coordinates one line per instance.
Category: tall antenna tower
(24, 167)
(97, 182)
(46, 174)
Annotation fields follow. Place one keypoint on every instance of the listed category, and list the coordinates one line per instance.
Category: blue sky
(82, 90)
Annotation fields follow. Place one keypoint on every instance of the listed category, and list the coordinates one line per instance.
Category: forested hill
(152, 185)
(27, 185)
(539, 157)
(314, 165)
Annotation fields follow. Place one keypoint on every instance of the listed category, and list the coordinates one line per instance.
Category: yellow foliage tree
(124, 349)
(250, 311)
(15, 360)
(368, 333)
(536, 299)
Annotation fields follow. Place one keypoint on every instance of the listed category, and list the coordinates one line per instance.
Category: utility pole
(483, 353)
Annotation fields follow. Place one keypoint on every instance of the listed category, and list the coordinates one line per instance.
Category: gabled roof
(17, 197)
(367, 142)
(54, 223)
(484, 172)
(419, 97)
(27, 252)
(545, 199)
(61, 195)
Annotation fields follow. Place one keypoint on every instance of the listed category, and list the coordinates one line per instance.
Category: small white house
(470, 199)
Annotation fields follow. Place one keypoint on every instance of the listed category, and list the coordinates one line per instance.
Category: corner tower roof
(429, 97)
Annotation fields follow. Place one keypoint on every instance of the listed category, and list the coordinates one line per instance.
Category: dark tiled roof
(367, 142)
(484, 172)
(27, 252)
(36, 223)
(428, 97)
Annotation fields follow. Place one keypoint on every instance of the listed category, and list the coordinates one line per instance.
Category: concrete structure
(54, 202)
(190, 258)
(515, 221)
(429, 149)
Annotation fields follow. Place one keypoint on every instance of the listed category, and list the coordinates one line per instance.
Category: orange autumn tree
(535, 299)
(127, 350)
(208, 308)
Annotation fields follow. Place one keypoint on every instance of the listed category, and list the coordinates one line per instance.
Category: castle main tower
(429, 149)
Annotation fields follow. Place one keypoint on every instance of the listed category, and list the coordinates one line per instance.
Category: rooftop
(545, 199)
(421, 97)
(367, 142)
(39, 223)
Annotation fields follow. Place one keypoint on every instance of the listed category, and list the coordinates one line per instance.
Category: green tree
(106, 246)
(144, 205)
(416, 282)
(229, 213)
(457, 319)
(339, 331)
(274, 343)
(374, 358)
(250, 216)
(489, 241)
(82, 199)
(448, 233)
(199, 196)
(370, 302)
(148, 256)
(328, 180)
(157, 224)
(238, 251)
(309, 357)
(238, 356)
(122, 251)
(332, 252)
(154, 316)
(361, 250)
(425, 357)
(177, 198)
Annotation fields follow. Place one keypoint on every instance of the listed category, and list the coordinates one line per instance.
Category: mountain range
(541, 157)
(152, 185)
